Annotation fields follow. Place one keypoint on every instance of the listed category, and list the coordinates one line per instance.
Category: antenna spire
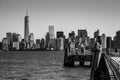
(26, 11)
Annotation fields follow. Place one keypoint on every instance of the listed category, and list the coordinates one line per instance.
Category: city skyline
(65, 15)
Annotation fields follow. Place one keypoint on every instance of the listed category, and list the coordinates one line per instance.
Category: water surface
(38, 65)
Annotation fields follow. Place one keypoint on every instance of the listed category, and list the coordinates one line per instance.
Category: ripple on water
(38, 66)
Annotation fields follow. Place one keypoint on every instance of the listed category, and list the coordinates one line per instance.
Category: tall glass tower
(26, 27)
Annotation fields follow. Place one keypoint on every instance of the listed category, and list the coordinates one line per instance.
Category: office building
(5, 44)
(82, 33)
(31, 41)
(51, 36)
(26, 30)
(47, 40)
(9, 37)
(51, 32)
(108, 43)
(60, 34)
(42, 44)
(16, 45)
(98, 39)
(117, 40)
(60, 43)
(96, 33)
(19, 38)
(103, 39)
(72, 34)
(86, 41)
(92, 43)
(16, 40)
(37, 44)
(1, 45)
(14, 37)
(22, 45)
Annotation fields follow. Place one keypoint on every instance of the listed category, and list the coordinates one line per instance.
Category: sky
(65, 15)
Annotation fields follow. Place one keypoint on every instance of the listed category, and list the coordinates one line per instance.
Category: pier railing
(114, 67)
(107, 68)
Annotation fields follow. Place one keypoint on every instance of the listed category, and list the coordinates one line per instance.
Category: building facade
(51, 36)
(5, 44)
(60, 34)
(38, 44)
(96, 33)
(26, 30)
(31, 40)
(82, 33)
(108, 43)
(51, 32)
(103, 39)
(117, 40)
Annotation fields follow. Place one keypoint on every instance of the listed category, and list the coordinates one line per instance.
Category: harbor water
(38, 65)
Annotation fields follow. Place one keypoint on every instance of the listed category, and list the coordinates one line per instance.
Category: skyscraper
(51, 32)
(96, 33)
(108, 42)
(103, 39)
(38, 44)
(82, 33)
(16, 40)
(117, 39)
(26, 29)
(31, 41)
(47, 40)
(5, 44)
(72, 34)
(9, 37)
(51, 36)
(60, 34)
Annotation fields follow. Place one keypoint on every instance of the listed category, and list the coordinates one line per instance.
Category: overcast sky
(65, 15)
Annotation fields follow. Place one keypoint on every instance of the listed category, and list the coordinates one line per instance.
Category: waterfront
(38, 65)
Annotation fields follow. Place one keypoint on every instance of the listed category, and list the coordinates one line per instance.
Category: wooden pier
(82, 58)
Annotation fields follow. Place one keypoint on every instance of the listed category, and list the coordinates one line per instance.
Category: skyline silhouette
(65, 15)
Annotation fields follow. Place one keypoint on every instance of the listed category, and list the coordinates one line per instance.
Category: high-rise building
(14, 37)
(60, 43)
(103, 39)
(82, 33)
(108, 43)
(92, 43)
(19, 38)
(16, 40)
(31, 40)
(51, 36)
(60, 34)
(86, 41)
(22, 45)
(26, 28)
(66, 44)
(47, 39)
(16, 45)
(98, 39)
(52, 44)
(96, 33)
(9, 37)
(38, 44)
(5, 44)
(42, 44)
(51, 32)
(72, 34)
(1, 45)
(117, 40)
